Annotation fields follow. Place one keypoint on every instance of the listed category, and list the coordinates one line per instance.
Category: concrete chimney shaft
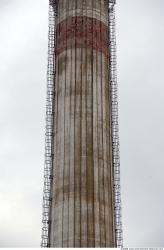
(82, 203)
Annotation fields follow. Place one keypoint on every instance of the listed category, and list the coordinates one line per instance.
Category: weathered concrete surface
(82, 207)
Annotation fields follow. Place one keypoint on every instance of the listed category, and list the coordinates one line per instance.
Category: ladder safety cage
(49, 134)
(114, 123)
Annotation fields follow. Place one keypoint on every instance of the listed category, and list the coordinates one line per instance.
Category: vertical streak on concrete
(62, 66)
(95, 140)
(71, 172)
(89, 139)
(66, 132)
(77, 136)
(84, 221)
(101, 163)
(55, 173)
(72, 135)
(82, 212)
(110, 238)
(57, 204)
(105, 101)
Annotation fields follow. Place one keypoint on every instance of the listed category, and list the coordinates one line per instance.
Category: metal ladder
(114, 123)
(49, 136)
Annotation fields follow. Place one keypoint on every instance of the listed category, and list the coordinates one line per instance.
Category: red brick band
(82, 32)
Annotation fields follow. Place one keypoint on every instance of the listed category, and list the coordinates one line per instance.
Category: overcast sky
(23, 55)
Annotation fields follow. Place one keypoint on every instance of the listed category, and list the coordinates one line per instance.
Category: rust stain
(87, 38)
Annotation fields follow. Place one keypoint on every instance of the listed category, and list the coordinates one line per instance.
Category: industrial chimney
(81, 189)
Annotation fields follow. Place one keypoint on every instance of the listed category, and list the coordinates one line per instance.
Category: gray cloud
(23, 53)
(140, 75)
